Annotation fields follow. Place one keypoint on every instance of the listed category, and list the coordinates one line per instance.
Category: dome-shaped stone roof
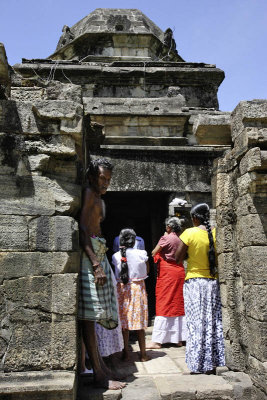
(115, 20)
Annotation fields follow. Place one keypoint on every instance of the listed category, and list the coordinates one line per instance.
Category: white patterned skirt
(205, 344)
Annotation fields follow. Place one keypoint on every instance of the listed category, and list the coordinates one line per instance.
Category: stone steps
(167, 377)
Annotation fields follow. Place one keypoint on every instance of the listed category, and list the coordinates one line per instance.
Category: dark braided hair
(127, 240)
(202, 213)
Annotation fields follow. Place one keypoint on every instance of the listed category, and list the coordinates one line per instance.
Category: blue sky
(229, 33)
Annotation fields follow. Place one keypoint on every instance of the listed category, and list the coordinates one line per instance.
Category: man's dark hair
(93, 168)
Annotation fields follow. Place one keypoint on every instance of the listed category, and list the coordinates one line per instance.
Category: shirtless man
(97, 298)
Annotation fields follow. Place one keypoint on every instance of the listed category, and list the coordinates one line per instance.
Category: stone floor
(165, 376)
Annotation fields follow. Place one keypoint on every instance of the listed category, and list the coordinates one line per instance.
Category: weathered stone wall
(40, 144)
(240, 186)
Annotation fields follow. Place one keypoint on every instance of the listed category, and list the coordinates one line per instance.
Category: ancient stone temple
(116, 86)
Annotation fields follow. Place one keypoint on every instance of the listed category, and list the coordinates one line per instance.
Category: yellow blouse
(197, 241)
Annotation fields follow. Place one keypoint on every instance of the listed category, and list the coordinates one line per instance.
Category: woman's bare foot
(145, 358)
(153, 345)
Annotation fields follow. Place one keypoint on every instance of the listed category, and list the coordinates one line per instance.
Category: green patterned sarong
(97, 303)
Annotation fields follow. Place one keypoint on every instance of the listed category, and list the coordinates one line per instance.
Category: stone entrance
(117, 87)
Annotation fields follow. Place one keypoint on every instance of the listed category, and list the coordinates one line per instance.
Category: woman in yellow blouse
(205, 345)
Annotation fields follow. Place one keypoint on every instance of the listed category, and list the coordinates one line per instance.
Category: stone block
(13, 233)
(247, 114)
(38, 385)
(225, 190)
(33, 292)
(224, 164)
(245, 205)
(54, 294)
(188, 387)
(143, 388)
(258, 373)
(227, 266)
(56, 90)
(235, 357)
(38, 162)
(61, 169)
(59, 233)
(18, 264)
(225, 215)
(249, 137)
(255, 302)
(225, 239)
(242, 384)
(64, 294)
(56, 145)
(254, 159)
(28, 94)
(246, 183)
(253, 264)
(250, 231)
(42, 345)
(228, 294)
(9, 117)
(38, 195)
(257, 336)
(213, 129)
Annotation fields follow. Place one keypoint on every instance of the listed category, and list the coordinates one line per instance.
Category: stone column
(241, 204)
(40, 142)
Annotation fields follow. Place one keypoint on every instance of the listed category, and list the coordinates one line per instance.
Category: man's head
(99, 174)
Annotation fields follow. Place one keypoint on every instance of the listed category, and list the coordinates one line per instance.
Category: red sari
(169, 288)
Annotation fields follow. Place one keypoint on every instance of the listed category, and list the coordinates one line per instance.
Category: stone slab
(254, 159)
(38, 385)
(250, 231)
(253, 264)
(246, 114)
(53, 293)
(212, 129)
(142, 388)
(13, 233)
(159, 363)
(59, 233)
(38, 195)
(18, 264)
(191, 387)
(42, 345)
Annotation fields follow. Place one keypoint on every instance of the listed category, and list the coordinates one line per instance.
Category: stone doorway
(148, 211)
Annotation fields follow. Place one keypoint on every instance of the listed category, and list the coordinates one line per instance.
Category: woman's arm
(181, 251)
(156, 250)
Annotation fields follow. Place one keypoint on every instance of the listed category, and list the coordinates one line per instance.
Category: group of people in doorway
(188, 307)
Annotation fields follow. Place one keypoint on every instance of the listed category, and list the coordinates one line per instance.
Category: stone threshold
(38, 385)
(208, 149)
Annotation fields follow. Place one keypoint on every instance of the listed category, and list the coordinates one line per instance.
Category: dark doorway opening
(147, 211)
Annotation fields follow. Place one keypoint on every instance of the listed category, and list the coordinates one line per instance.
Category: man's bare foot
(125, 356)
(153, 345)
(106, 383)
(145, 358)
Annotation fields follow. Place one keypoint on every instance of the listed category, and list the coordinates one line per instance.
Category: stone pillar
(40, 143)
(240, 183)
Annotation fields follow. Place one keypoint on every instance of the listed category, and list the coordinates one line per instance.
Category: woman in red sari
(169, 325)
